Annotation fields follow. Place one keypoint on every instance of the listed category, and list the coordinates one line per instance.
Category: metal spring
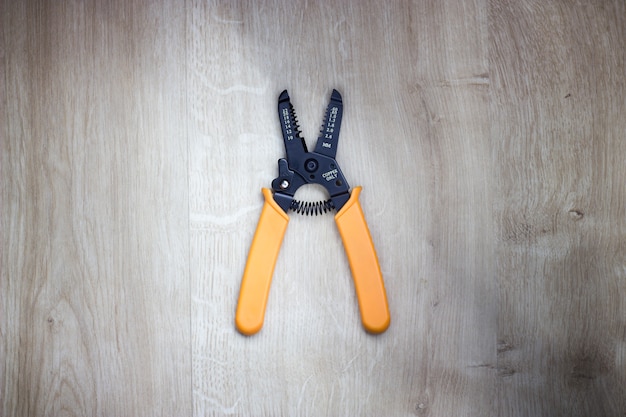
(312, 208)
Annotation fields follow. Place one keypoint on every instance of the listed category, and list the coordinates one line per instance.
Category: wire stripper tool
(302, 167)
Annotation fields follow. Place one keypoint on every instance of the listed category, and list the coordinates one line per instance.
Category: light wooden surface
(489, 140)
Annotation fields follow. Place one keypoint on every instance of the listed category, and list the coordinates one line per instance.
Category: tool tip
(283, 96)
(335, 95)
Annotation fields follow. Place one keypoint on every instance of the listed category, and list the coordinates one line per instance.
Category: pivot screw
(284, 184)
(311, 165)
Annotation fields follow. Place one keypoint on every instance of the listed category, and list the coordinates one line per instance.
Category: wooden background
(488, 136)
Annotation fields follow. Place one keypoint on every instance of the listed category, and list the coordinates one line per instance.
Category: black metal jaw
(302, 167)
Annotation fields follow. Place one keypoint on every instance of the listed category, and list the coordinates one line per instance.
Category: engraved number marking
(287, 123)
(330, 124)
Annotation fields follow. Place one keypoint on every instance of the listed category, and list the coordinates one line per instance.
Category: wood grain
(488, 137)
(558, 82)
(95, 278)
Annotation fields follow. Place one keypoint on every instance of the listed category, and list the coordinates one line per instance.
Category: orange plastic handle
(368, 279)
(257, 277)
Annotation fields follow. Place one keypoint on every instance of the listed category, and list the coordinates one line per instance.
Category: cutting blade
(294, 142)
(329, 134)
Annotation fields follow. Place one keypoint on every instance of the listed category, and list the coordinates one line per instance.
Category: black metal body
(304, 167)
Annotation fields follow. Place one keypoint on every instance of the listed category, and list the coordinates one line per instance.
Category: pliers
(302, 167)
